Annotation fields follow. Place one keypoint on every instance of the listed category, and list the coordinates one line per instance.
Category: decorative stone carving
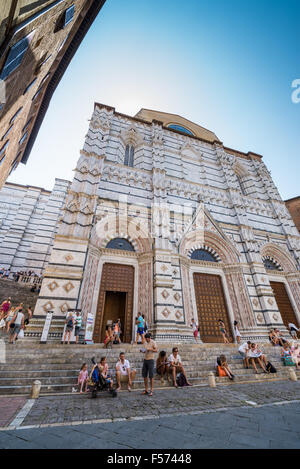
(53, 285)
(255, 302)
(275, 317)
(178, 314)
(48, 306)
(68, 287)
(177, 297)
(69, 257)
(166, 312)
(165, 294)
(64, 307)
(270, 301)
(260, 318)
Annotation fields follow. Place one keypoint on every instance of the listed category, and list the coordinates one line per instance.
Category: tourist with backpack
(69, 327)
(176, 367)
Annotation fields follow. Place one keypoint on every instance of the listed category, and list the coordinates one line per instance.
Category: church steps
(57, 366)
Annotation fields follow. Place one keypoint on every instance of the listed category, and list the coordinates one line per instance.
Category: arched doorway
(284, 304)
(211, 306)
(115, 300)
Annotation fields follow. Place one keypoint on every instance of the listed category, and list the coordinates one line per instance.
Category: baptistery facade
(162, 218)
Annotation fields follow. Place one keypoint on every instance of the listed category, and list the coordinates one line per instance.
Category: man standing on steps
(18, 321)
(140, 329)
(150, 348)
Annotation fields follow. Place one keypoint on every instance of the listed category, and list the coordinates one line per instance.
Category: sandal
(144, 392)
(150, 393)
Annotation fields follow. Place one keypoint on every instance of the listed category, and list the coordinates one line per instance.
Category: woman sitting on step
(176, 366)
(295, 351)
(109, 337)
(162, 366)
(255, 354)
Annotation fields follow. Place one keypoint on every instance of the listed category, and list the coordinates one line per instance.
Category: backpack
(180, 380)
(271, 368)
(70, 323)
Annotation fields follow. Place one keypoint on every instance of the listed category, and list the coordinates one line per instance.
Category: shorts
(77, 329)
(243, 354)
(123, 378)
(196, 333)
(140, 330)
(16, 329)
(148, 369)
(69, 328)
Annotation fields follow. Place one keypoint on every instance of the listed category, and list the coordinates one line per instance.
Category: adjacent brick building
(294, 207)
(37, 41)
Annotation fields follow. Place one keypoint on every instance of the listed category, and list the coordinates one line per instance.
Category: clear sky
(227, 65)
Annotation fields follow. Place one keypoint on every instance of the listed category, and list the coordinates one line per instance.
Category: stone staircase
(57, 366)
(35, 328)
(19, 293)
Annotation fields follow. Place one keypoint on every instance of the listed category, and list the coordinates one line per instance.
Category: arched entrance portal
(283, 302)
(115, 300)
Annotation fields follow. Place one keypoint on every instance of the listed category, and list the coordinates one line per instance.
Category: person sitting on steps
(162, 366)
(244, 352)
(123, 372)
(223, 369)
(176, 366)
(109, 337)
(256, 354)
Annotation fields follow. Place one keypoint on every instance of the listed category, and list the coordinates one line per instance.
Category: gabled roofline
(250, 155)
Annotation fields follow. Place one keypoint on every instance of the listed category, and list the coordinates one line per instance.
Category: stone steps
(57, 366)
(19, 293)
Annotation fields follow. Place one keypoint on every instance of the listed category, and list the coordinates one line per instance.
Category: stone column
(63, 277)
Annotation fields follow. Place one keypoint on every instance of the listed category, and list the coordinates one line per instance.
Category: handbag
(271, 368)
(288, 361)
(2, 323)
(21, 334)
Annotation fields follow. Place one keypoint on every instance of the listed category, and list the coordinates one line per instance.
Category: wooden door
(283, 303)
(115, 278)
(211, 306)
(114, 309)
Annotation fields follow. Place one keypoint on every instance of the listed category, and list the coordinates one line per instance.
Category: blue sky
(225, 64)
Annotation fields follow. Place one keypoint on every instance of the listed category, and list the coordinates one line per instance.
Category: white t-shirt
(123, 367)
(177, 360)
(291, 325)
(237, 332)
(19, 318)
(194, 326)
(244, 347)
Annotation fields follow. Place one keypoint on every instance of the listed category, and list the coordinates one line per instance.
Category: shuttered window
(15, 56)
(69, 15)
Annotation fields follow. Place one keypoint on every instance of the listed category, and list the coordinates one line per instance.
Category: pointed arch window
(203, 255)
(270, 264)
(129, 155)
(120, 243)
(241, 184)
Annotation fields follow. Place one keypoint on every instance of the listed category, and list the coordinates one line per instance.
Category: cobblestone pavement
(274, 426)
(236, 416)
(59, 409)
(9, 407)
